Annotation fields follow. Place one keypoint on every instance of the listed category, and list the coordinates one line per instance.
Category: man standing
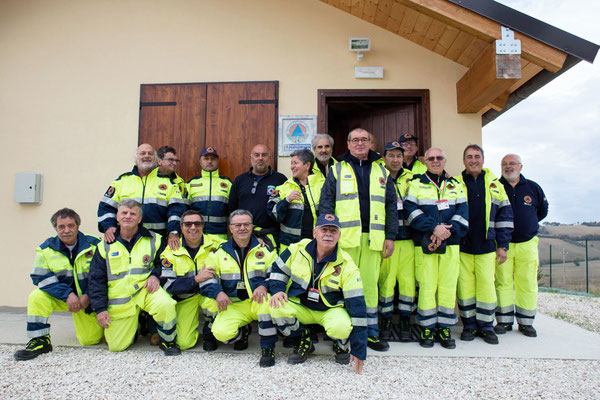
(240, 288)
(209, 194)
(411, 161)
(60, 272)
(359, 192)
(400, 267)
(252, 190)
(159, 194)
(167, 165)
(182, 273)
(529, 206)
(316, 282)
(437, 209)
(124, 279)
(490, 228)
(322, 145)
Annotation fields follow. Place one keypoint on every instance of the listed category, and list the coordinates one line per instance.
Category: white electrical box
(28, 188)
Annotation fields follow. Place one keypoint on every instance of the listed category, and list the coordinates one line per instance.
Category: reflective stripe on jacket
(290, 215)
(401, 185)
(209, 195)
(159, 194)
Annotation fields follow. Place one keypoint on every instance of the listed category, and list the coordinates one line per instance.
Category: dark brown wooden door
(232, 117)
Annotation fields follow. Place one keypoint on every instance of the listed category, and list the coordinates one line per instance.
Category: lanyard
(437, 187)
(315, 279)
(237, 257)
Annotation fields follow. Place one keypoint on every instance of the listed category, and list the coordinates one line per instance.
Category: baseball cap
(407, 136)
(328, 220)
(391, 146)
(209, 150)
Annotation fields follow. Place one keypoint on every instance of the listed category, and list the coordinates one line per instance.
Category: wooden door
(231, 117)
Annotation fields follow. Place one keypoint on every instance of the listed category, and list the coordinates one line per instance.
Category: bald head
(145, 158)
(260, 158)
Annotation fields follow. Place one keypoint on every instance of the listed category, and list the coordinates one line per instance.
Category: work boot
(154, 339)
(267, 358)
(501, 329)
(425, 336)
(341, 356)
(488, 336)
(468, 335)
(170, 348)
(528, 330)
(385, 331)
(242, 343)
(304, 348)
(445, 338)
(377, 344)
(210, 343)
(404, 330)
(35, 347)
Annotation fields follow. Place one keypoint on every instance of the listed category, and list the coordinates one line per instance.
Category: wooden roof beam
(477, 25)
(488, 79)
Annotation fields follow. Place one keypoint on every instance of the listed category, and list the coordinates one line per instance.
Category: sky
(556, 130)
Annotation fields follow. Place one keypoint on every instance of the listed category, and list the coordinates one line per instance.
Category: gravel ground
(77, 373)
(583, 311)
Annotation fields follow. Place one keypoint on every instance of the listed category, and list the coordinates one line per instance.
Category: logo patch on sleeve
(493, 185)
(166, 263)
(89, 254)
(337, 271)
(271, 190)
(110, 191)
(146, 259)
(381, 181)
(260, 254)
(162, 186)
(223, 185)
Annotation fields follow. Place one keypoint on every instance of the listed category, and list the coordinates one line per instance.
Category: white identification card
(442, 204)
(313, 294)
(399, 205)
(241, 285)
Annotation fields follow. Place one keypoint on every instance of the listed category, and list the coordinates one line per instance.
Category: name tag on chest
(241, 285)
(442, 205)
(313, 294)
(399, 205)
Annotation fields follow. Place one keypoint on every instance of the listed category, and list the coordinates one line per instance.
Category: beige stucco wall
(70, 75)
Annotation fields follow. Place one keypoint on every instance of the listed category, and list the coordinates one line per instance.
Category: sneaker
(169, 348)
(385, 331)
(341, 356)
(377, 344)
(290, 342)
(267, 358)
(242, 343)
(468, 335)
(302, 350)
(445, 338)
(35, 347)
(501, 329)
(154, 339)
(488, 336)
(425, 336)
(404, 329)
(528, 330)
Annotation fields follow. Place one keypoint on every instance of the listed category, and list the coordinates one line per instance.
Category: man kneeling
(323, 287)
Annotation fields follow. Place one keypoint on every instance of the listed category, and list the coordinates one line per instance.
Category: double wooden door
(231, 117)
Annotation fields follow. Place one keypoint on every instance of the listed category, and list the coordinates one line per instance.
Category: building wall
(70, 74)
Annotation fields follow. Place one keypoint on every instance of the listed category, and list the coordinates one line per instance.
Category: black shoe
(445, 338)
(404, 329)
(302, 350)
(501, 329)
(209, 344)
(488, 336)
(341, 356)
(267, 358)
(425, 336)
(528, 330)
(377, 344)
(468, 335)
(290, 342)
(242, 343)
(35, 347)
(385, 331)
(169, 348)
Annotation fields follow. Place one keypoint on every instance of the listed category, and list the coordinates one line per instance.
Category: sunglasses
(436, 158)
(197, 224)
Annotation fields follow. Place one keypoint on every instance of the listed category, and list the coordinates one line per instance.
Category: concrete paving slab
(556, 340)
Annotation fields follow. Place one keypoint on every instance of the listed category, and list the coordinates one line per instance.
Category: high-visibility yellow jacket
(209, 195)
(401, 186)
(317, 171)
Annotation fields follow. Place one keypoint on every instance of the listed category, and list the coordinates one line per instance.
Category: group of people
(340, 244)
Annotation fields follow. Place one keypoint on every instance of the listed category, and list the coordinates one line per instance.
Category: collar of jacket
(141, 230)
(58, 245)
(311, 249)
(182, 250)
(269, 172)
(372, 156)
(228, 245)
(424, 178)
(212, 174)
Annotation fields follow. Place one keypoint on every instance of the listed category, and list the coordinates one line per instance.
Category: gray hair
(65, 213)
(305, 156)
(321, 136)
(436, 148)
(240, 212)
(473, 147)
(131, 203)
(518, 157)
(358, 130)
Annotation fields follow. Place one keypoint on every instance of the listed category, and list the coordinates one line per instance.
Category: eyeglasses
(197, 224)
(510, 164)
(408, 144)
(436, 158)
(173, 160)
(239, 225)
(359, 140)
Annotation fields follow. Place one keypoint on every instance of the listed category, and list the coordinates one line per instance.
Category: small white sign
(296, 132)
(368, 72)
